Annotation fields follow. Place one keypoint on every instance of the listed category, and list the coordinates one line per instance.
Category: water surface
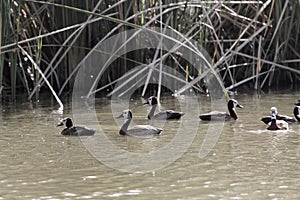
(247, 161)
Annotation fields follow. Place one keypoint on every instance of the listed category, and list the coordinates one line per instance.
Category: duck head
(273, 111)
(232, 104)
(151, 101)
(297, 112)
(126, 114)
(67, 121)
(298, 103)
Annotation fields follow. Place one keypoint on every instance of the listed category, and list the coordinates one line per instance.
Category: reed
(250, 42)
(1, 57)
(5, 29)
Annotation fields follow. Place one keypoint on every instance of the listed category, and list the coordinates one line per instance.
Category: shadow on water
(247, 162)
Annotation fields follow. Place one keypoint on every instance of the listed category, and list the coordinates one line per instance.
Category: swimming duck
(167, 114)
(277, 124)
(138, 130)
(297, 111)
(74, 130)
(216, 115)
(267, 119)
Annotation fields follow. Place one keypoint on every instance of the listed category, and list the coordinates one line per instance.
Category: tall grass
(250, 42)
(1, 57)
(5, 27)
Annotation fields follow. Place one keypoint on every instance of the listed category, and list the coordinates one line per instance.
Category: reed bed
(253, 43)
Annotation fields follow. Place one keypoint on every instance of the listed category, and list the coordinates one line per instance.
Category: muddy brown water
(246, 161)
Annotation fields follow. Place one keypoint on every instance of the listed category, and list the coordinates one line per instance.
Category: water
(247, 162)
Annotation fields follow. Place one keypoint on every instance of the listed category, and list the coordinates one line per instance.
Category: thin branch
(61, 108)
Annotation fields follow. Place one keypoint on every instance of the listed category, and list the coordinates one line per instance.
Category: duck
(277, 124)
(217, 115)
(163, 115)
(297, 111)
(288, 119)
(72, 130)
(138, 130)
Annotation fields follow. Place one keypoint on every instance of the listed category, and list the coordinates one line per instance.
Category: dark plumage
(71, 130)
(297, 112)
(163, 115)
(267, 119)
(276, 124)
(217, 115)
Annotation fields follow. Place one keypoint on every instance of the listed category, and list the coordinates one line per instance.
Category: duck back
(168, 114)
(143, 130)
(78, 131)
(288, 119)
(214, 115)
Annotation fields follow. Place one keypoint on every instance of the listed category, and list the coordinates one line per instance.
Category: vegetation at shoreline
(44, 42)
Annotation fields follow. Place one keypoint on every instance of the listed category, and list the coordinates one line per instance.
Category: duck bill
(119, 116)
(273, 113)
(60, 124)
(146, 103)
(239, 106)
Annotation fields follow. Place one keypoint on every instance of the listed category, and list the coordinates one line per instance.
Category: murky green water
(247, 162)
